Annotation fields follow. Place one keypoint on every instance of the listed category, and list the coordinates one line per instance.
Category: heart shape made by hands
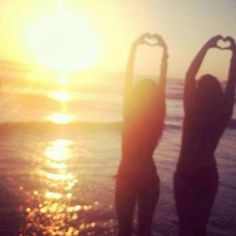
(223, 44)
(151, 40)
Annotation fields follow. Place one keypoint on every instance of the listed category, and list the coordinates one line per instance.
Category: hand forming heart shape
(151, 40)
(224, 43)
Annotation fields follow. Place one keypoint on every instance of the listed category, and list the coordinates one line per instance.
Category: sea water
(60, 149)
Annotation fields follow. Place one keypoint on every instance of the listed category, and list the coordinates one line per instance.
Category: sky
(185, 25)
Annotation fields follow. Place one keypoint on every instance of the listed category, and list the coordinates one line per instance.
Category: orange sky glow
(111, 28)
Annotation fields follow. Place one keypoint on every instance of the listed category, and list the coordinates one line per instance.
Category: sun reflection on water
(60, 118)
(58, 150)
(55, 208)
(58, 204)
(60, 95)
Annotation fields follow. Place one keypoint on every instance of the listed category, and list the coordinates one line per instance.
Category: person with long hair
(208, 108)
(137, 181)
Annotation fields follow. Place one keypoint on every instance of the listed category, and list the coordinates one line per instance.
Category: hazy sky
(185, 25)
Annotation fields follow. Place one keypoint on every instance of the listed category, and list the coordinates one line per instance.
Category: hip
(206, 178)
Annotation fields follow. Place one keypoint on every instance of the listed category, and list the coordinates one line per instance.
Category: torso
(140, 136)
(199, 141)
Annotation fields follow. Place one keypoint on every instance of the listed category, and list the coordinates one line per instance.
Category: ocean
(60, 149)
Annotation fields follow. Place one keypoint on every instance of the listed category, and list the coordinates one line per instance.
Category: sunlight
(55, 207)
(57, 153)
(59, 177)
(63, 41)
(53, 195)
(56, 165)
(60, 96)
(63, 78)
(58, 150)
(56, 200)
(60, 118)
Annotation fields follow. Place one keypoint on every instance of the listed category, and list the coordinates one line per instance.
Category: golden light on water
(61, 118)
(59, 176)
(55, 165)
(57, 154)
(58, 150)
(60, 95)
(55, 207)
(63, 41)
(53, 195)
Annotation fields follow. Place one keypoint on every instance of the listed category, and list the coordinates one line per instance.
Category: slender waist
(137, 169)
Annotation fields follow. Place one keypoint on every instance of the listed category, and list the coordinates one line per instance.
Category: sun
(63, 41)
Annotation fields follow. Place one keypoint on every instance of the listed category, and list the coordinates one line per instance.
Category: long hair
(209, 95)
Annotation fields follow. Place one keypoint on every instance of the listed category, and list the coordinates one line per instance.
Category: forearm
(129, 71)
(163, 71)
(231, 83)
(196, 63)
(128, 79)
(190, 80)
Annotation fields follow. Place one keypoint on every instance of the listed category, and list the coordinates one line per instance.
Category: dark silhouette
(11, 217)
(143, 119)
(207, 108)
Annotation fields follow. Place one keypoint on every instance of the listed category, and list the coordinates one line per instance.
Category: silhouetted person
(143, 119)
(207, 109)
(11, 218)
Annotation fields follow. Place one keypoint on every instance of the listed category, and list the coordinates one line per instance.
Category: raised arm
(190, 80)
(163, 71)
(231, 83)
(129, 72)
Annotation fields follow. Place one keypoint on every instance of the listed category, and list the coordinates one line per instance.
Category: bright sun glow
(63, 41)
(60, 118)
(58, 150)
(60, 96)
